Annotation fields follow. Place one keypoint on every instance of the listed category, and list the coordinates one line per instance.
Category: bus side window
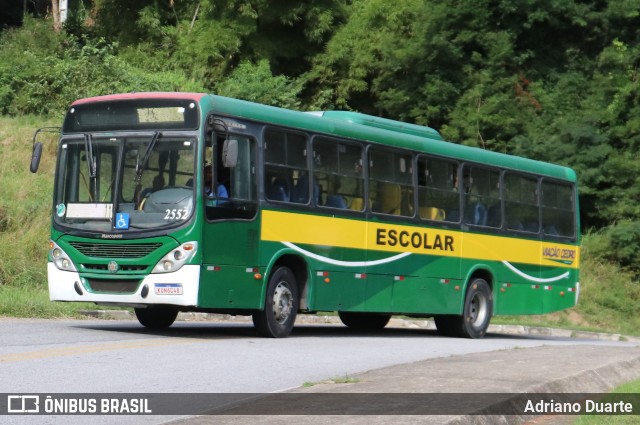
(482, 197)
(285, 167)
(338, 180)
(438, 198)
(558, 202)
(391, 182)
(521, 203)
(231, 191)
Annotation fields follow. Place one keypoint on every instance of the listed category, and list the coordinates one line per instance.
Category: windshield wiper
(91, 163)
(141, 165)
(88, 148)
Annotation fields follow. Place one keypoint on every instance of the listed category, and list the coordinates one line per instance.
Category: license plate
(168, 289)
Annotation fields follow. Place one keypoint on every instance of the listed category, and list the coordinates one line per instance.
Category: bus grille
(113, 286)
(105, 268)
(115, 250)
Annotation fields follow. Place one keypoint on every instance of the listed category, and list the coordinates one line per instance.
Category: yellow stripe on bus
(359, 234)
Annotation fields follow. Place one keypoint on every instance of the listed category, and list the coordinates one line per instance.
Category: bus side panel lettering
(426, 242)
(437, 244)
(417, 240)
(393, 237)
(404, 235)
(448, 243)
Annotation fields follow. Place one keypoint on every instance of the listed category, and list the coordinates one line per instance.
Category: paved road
(97, 356)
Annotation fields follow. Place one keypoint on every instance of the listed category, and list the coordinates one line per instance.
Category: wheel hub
(478, 309)
(282, 302)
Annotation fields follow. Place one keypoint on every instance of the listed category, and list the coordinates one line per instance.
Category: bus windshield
(118, 183)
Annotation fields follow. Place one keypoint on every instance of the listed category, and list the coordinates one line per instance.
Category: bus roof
(379, 130)
(356, 126)
(141, 95)
(381, 123)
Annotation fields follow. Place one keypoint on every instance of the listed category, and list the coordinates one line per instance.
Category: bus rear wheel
(156, 317)
(364, 321)
(478, 309)
(281, 305)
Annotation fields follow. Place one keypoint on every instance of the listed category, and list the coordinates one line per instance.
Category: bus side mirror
(36, 153)
(230, 153)
(35, 157)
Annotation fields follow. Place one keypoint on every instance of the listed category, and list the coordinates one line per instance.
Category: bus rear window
(558, 216)
(178, 114)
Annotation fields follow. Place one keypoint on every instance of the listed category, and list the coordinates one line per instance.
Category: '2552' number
(176, 214)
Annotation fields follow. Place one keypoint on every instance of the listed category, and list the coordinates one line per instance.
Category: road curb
(595, 381)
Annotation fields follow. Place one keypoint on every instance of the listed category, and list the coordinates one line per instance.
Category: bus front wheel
(156, 317)
(364, 321)
(478, 309)
(281, 305)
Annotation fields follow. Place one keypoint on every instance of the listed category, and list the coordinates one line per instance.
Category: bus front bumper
(178, 288)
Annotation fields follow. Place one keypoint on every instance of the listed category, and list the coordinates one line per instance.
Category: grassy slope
(25, 204)
(632, 387)
(609, 297)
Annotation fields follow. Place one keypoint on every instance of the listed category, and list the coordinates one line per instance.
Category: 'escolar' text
(418, 240)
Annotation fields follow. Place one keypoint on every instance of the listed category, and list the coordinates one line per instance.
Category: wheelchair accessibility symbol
(122, 221)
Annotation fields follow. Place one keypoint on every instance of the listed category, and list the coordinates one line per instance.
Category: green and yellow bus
(169, 202)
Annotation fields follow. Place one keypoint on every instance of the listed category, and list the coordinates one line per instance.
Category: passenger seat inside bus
(390, 198)
(301, 191)
(476, 214)
(279, 190)
(357, 204)
(432, 213)
(336, 201)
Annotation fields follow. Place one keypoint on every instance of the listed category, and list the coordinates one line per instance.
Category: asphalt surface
(476, 384)
(515, 373)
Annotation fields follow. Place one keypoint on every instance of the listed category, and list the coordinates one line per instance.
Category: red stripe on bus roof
(142, 95)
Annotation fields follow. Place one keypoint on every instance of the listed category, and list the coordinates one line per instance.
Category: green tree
(551, 80)
(42, 72)
(255, 83)
(207, 39)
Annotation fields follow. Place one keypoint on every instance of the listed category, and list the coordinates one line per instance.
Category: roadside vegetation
(337, 380)
(25, 211)
(632, 387)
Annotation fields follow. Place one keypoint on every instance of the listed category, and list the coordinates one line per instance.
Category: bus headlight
(60, 258)
(174, 260)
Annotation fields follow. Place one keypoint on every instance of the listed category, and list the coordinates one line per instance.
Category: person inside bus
(277, 187)
(301, 190)
(220, 191)
(476, 210)
(494, 209)
(452, 208)
(158, 183)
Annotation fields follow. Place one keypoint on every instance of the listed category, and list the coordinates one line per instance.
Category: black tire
(281, 305)
(478, 309)
(364, 321)
(156, 317)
